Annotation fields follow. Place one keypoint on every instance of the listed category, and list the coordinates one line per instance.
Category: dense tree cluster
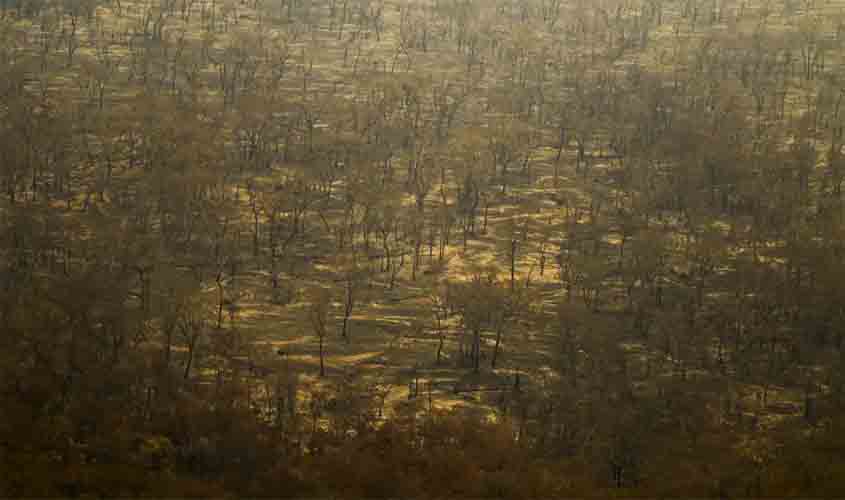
(615, 228)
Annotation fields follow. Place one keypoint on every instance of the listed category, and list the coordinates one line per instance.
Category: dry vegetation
(437, 248)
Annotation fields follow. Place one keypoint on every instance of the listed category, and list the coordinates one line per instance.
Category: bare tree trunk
(496, 347)
(322, 357)
(476, 350)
